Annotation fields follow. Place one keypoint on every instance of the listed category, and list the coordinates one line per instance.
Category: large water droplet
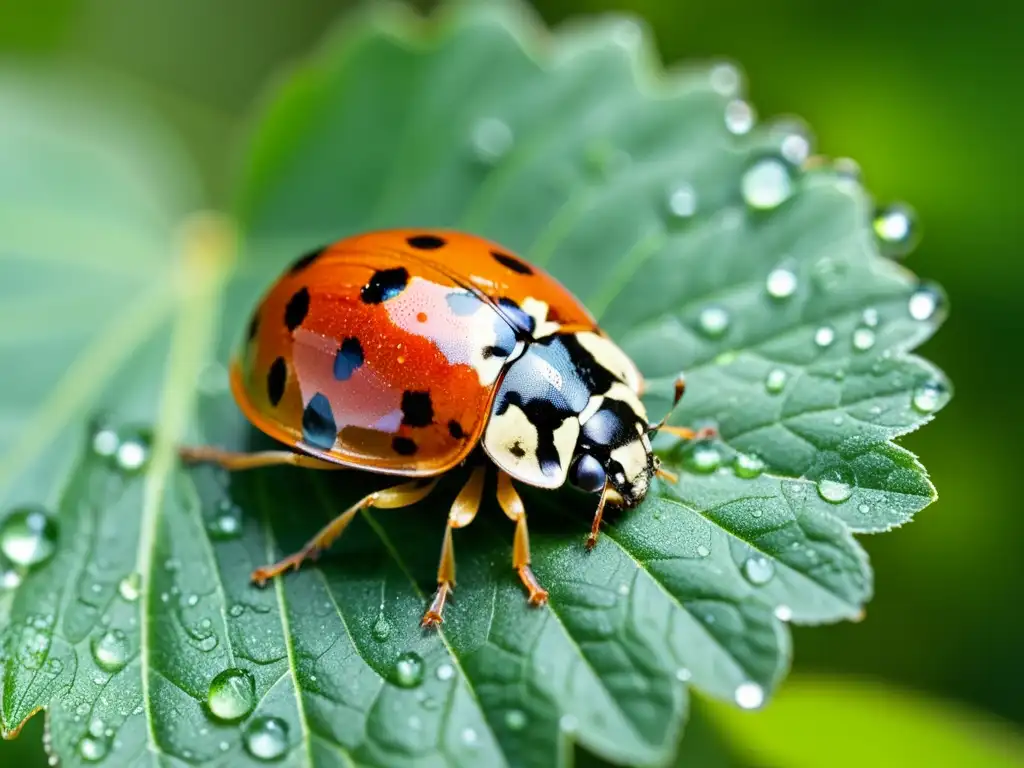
(492, 139)
(381, 629)
(130, 587)
(110, 650)
(824, 336)
(232, 695)
(758, 570)
(924, 302)
(92, 749)
(781, 283)
(863, 339)
(739, 117)
(896, 229)
(930, 396)
(515, 719)
(747, 466)
(408, 672)
(749, 695)
(682, 201)
(28, 536)
(766, 184)
(776, 380)
(703, 457)
(835, 485)
(713, 321)
(266, 738)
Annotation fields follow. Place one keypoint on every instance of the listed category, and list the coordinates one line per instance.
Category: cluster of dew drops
(28, 534)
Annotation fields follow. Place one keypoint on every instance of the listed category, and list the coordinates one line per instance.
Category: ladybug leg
(403, 495)
(686, 433)
(463, 511)
(235, 462)
(512, 505)
(595, 527)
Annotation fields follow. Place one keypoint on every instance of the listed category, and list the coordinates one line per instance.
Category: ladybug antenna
(680, 388)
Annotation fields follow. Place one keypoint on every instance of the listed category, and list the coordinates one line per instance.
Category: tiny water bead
(783, 613)
(758, 570)
(10, 576)
(381, 629)
(130, 587)
(110, 650)
(492, 139)
(470, 737)
(266, 738)
(515, 719)
(445, 672)
(766, 184)
(713, 321)
(682, 201)
(408, 671)
(896, 229)
(749, 695)
(929, 397)
(105, 442)
(824, 336)
(28, 536)
(704, 458)
(725, 79)
(747, 466)
(232, 695)
(835, 485)
(863, 339)
(92, 749)
(796, 147)
(781, 283)
(775, 382)
(739, 117)
(703, 551)
(924, 302)
(133, 450)
(870, 317)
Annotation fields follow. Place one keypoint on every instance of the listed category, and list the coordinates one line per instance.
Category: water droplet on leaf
(749, 695)
(776, 380)
(896, 229)
(781, 283)
(739, 117)
(924, 302)
(758, 570)
(445, 672)
(767, 184)
(824, 336)
(515, 719)
(929, 397)
(703, 551)
(713, 321)
(863, 339)
(682, 201)
(747, 466)
(266, 738)
(232, 695)
(28, 536)
(783, 613)
(725, 79)
(492, 139)
(703, 457)
(835, 485)
(110, 650)
(408, 672)
(133, 450)
(381, 629)
(92, 749)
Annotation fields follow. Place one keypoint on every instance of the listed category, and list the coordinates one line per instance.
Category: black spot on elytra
(516, 449)
(417, 409)
(384, 285)
(348, 358)
(318, 427)
(403, 446)
(455, 430)
(276, 379)
(304, 261)
(426, 242)
(511, 262)
(297, 309)
(254, 325)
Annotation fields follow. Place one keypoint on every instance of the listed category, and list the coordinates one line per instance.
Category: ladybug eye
(587, 474)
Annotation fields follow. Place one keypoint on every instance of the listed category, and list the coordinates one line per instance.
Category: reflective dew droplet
(929, 397)
(870, 317)
(824, 336)
(739, 117)
(110, 650)
(682, 201)
(703, 551)
(133, 451)
(266, 738)
(864, 509)
(795, 147)
(470, 737)
(492, 139)
(835, 485)
(766, 184)
(776, 380)
(92, 749)
(445, 672)
(704, 458)
(130, 587)
(781, 283)
(515, 719)
(747, 466)
(226, 525)
(408, 672)
(758, 570)
(783, 613)
(381, 629)
(863, 339)
(896, 229)
(105, 442)
(683, 674)
(10, 578)
(713, 321)
(749, 695)
(232, 695)
(725, 79)
(924, 302)
(28, 536)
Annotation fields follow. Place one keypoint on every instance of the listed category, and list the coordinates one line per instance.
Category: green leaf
(814, 715)
(648, 197)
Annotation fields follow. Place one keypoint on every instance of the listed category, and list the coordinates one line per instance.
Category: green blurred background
(926, 97)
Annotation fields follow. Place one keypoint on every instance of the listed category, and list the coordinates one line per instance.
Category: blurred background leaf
(923, 96)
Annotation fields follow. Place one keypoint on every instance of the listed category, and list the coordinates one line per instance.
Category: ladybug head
(613, 454)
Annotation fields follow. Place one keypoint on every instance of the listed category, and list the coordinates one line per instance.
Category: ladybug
(402, 352)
